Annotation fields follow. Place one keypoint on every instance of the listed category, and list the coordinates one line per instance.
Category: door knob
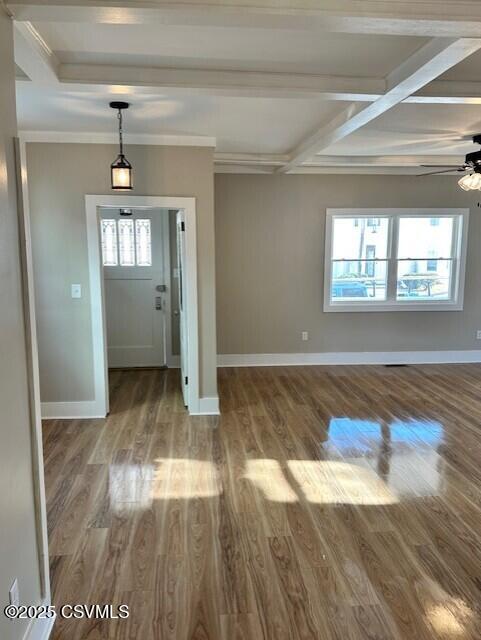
(161, 288)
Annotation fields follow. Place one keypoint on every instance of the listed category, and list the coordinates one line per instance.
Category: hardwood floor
(332, 503)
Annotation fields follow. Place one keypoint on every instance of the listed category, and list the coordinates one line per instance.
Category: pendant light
(121, 169)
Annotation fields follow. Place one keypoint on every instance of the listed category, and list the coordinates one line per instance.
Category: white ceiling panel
(239, 124)
(467, 71)
(228, 48)
(415, 129)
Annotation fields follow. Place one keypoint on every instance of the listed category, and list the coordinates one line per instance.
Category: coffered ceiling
(282, 86)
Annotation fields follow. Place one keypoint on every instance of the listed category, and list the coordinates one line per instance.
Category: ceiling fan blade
(439, 166)
(437, 173)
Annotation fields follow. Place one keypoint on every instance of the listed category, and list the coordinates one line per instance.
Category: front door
(134, 287)
(184, 346)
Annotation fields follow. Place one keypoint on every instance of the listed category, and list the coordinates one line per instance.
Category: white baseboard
(207, 407)
(347, 358)
(39, 629)
(89, 409)
(71, 410)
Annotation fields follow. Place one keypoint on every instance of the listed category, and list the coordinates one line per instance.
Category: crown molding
(80, 137)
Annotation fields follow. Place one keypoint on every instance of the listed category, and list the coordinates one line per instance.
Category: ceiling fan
(472, 164)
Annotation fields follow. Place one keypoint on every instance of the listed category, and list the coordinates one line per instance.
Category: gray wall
(18, 545)
(59, 176)
(270, 262)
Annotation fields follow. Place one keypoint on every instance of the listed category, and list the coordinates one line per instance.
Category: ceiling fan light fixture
(471, 182)
(120, 169)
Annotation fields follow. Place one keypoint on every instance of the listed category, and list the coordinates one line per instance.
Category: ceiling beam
(428, 63)
(34, 56)
(461, 18)
(151, 80)
(396, 164)
(231, 83)
(97, 137)
(375, 170)
(251, 159)
(448, 92)
(386, 161)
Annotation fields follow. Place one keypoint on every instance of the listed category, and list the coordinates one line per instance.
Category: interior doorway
(130, 241)
(137, 282)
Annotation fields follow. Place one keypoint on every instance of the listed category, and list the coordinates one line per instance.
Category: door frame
(97, 294)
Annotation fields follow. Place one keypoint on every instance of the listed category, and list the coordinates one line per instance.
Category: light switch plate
(76, 290)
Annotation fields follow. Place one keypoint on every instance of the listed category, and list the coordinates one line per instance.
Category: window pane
(126, 243)
(353, 236)
(143, 243)
(419, 238)
(360, 280)
(417, 281)
(108, 234)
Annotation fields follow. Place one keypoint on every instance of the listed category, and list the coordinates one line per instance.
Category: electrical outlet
(478, 335)
(305, 336)
(13, 594)
(76, 291)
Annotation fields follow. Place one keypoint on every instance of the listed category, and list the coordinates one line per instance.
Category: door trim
(26, 264)
(97, 295)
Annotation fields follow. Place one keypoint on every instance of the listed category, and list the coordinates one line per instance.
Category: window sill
(347, 307)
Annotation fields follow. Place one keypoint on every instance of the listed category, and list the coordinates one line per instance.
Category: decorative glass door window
(143, 242)
(126, 244)
(108, 231)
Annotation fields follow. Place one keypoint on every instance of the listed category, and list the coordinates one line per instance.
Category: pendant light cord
(121, 142)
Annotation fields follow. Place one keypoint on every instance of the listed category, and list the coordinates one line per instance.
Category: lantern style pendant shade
(121, 169)
(121, 173)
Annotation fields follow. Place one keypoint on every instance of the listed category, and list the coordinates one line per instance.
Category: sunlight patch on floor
(130, 483)
(450, 619)
(332, 482)
(267, 476)
(183, 478)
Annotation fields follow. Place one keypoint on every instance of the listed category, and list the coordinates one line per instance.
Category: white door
(134, 288)
(184, 346)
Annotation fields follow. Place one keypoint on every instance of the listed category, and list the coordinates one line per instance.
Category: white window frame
(460, 241)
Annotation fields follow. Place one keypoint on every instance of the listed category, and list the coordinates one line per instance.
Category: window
(125, 243)
(432, 264)
(370, 264)
(108, 231)
(397, 260)
(143, 243)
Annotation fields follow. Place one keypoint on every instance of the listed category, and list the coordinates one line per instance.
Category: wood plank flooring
(329, 503)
